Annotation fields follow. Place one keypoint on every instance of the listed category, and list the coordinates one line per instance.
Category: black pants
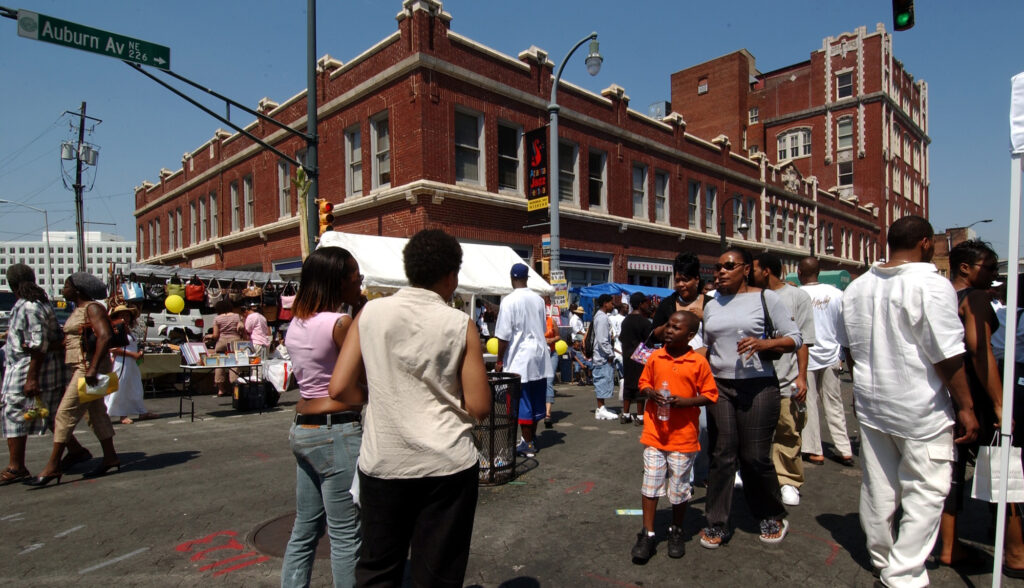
(433, 516)
(740, 429)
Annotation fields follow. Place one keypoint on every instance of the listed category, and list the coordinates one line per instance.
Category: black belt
(334, 418)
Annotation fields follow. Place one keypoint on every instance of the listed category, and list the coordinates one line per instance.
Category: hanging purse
(195, 290)
(287, 300)
(214, 293)
(132, 290)
(155, 292)
(175, 287)
(252, 290)
(270, 297)
(235, 292)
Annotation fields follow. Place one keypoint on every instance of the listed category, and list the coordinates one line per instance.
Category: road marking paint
(566, 425)
(244, 564)
(31, 548)
(629, 511)
(11, 516)
(616, 432)
(177, 422)
(581, 488)
(141, 425)
(113, 561)
(69, 531)
(227, 561)
(589, 428)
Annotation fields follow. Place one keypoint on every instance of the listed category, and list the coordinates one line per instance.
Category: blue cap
(520, 270)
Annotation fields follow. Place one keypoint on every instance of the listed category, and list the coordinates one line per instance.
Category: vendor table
(159, 364)
(190, 373)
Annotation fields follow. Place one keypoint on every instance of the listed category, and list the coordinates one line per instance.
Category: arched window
(794, 143)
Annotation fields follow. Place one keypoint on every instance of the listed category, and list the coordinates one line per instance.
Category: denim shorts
(604, 380)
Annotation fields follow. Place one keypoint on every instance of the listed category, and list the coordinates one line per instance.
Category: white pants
(916, 474)
(824, 383)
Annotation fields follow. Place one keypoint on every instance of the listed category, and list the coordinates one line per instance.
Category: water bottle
(800, 406)
(753, 361)
(664, 410)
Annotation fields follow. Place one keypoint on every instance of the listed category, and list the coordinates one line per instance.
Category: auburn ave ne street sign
(61, 32)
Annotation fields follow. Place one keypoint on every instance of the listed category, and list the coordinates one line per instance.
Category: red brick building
(851, 119)
(425, 130)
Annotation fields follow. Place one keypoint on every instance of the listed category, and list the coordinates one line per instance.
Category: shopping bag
(105, 384)
(987, 475)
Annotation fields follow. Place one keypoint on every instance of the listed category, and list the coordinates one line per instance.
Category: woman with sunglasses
(741, 424)
(326, 435)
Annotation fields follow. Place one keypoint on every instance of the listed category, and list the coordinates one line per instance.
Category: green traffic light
(902, 19)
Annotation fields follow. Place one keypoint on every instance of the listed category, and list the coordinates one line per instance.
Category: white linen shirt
(522, 321)
(898, 322)
(827, 302)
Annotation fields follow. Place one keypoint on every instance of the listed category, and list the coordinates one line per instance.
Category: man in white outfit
(906, 342)
(823, 369)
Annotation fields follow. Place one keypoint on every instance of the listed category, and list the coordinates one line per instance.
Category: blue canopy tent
(589, 294)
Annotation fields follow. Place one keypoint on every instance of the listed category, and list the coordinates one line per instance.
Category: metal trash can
(496, 436)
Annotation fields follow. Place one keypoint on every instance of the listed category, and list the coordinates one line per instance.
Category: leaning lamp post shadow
(743, 227)
(593, 62)
(46, 224)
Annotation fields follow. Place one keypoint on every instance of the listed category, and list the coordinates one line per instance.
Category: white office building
(101, 250)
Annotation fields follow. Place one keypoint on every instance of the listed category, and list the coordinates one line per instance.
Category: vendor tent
(163, 272)
(485, 268)
(589, 294)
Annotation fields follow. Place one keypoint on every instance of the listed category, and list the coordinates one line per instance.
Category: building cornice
(846, 103)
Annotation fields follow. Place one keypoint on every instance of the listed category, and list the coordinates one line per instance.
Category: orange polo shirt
(687, 375)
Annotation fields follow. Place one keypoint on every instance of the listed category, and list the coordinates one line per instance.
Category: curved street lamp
(829, 249)
(743, 227)
(46, 222)
(593, 62)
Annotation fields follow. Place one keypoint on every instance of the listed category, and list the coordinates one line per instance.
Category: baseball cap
(520, 270)
(637, 298)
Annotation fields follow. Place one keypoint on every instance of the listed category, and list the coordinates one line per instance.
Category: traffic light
(902, 14)
(326, 222)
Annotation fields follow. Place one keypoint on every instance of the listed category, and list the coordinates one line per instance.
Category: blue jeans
(550, 393)
(326, 465)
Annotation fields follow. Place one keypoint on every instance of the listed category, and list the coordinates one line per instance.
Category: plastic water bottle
(753, 361)
(800, 406)
(664, 410)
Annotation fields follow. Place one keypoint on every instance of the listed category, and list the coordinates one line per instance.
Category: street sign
(40, 27)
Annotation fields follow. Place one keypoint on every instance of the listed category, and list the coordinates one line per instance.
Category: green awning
(838, 278)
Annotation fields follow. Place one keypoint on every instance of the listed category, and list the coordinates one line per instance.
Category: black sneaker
(676, 546)
(644, 548)
(625, 418)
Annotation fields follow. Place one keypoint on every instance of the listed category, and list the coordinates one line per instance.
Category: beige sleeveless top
(73, 355)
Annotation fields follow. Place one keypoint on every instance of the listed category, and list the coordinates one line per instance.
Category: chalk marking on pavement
(31, 548)
(581, 488)
(113, 561)
(616, 432)
(227, 561)
(11, 516)
(610, 580)
(566, 425)
(244, 564)
(69, 531)
(589, 428)
(831, 544)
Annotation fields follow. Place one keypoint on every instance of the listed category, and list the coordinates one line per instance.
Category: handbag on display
(195, 290)
(252, 290)
(988, 473)
(132, 290)
(270, 296)
(155, 292)
(175, 287)
(214, 293)
(287, 300)
(235, 292)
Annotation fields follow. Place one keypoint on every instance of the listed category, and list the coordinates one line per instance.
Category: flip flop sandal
(772, 527)
(9, 476)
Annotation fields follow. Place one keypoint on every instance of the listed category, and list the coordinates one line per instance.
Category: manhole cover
(271, 537)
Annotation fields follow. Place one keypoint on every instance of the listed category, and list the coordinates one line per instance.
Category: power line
(13, 155)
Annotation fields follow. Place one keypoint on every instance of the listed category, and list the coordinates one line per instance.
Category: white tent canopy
(485, 268)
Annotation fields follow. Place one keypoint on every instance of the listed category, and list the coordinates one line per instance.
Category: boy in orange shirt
(672, 444)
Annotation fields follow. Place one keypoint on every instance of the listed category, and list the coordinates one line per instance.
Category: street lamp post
(829, 249)
(743, 227)
(593, 61)
(46, 222)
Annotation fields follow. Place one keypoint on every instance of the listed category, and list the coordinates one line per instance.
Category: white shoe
(790, 495)
(603, 414)
(739, 481)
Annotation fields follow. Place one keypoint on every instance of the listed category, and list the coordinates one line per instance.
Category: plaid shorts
(14, 405)
(658, 463)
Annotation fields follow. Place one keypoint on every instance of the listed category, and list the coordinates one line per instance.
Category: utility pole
(312, 138)
(79, 226)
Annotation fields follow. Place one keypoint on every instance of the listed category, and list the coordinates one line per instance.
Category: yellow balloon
(174, 303)
(561, 347)
(492, 346)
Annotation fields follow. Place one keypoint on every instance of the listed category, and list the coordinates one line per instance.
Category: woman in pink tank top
(326, 434)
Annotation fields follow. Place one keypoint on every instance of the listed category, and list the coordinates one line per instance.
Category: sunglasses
(728, 266)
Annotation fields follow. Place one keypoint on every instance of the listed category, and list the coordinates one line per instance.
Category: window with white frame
(661, 196)
(354, 160)
(468, 147)
(193, 220)
(236, 208)
(639, 190)
(702, 86)
(906, 147)
(845, 169)
(149, 244)
(693, 205)
(568, 154)
(770, 232)
(596, 178)
(179, 228)
(794, 143)
(214, 217)
(509, 155)
(844, 133)
(284, 189)
(753, 115)
(917, 156)
(897, 179)
(844, 85)
(250, 202)
(156, 242)
(202, 219)
(171, 245)
(381, 139)
(710, 209)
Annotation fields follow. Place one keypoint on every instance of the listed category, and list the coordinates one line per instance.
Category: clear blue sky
(965, 51)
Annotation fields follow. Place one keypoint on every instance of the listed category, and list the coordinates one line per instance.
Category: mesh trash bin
(496, 436)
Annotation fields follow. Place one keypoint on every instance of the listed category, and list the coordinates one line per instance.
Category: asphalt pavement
(190, 497)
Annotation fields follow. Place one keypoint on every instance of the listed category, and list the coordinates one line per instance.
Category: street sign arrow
(40, 27)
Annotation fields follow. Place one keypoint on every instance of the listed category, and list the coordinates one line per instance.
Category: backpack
(588, 341)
